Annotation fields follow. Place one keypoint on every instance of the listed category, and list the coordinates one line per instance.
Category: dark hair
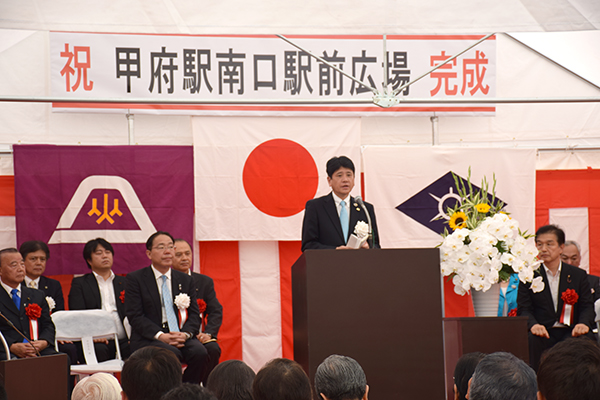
(6, 251)
(184, 241)
(570, 370)
(149, 373)
(91, 247)
(336, 163)
(231, 380)
(340, 378)
(32, 246)
(465, 366)
(502, 376)
(150, 240)
(281, 379)
(559, 233)
(188, 391)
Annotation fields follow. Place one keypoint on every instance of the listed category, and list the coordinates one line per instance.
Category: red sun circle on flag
(279, 177)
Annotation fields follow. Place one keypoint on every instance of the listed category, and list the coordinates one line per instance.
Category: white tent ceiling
(302, 17)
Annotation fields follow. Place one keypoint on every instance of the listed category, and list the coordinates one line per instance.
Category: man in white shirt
(101, 289)
(35, 255)
(564, 308)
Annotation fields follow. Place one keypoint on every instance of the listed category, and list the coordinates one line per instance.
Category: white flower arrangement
(51, 303)
(182, 301)
(486, 246)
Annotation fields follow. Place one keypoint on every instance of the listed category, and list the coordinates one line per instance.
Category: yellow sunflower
(458, 220)
(482, 207)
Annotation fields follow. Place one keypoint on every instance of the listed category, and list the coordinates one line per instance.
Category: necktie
(344, 220)
(32, 285)
(168, 304)
(15, 298)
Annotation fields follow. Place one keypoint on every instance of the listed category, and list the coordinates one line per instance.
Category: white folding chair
(6, 350)
(85, 326)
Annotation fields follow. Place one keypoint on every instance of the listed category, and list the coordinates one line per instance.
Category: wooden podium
(381, 307)
(44, 377)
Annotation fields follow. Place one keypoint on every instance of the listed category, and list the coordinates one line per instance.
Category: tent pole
(435, 132)
(130, 132)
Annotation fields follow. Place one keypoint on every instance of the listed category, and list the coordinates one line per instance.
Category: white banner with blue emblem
(410, 187)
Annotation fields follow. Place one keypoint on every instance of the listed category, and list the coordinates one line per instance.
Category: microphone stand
(20, 333)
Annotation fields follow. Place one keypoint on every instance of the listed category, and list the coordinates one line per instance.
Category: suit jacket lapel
(152, 287)
(546, 293)
(331, 210)
(8, 303)
(93, 288)
(563, 284)
(118, 287)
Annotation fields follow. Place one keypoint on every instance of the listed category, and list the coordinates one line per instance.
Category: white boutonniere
(182, 301)
(51, 303)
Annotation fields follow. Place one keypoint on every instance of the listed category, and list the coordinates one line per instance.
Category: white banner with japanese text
(234, 68)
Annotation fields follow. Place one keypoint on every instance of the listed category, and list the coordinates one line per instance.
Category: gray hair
(574, 243)
(502, 376)
(340, 378)
(100, 386)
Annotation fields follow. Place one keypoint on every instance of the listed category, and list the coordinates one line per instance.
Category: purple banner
(67, 195)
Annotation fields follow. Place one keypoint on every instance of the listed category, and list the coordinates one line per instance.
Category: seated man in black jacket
(101, 289)
(211, 310)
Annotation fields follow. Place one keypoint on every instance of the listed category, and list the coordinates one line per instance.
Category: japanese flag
(253, 176)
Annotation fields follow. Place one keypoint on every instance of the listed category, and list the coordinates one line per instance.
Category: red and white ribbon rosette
(201, 308)
(182, 301)
(569, 297)
(34, 312)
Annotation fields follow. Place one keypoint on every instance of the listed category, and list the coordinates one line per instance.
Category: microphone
(362, 204)
(20, 333)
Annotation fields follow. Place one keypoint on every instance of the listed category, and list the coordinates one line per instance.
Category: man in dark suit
(572, 255)
(564, 308)
(36, 254)
(101, 289)
(20, 304)
(161, 307)
(330, 220)
(211, 311)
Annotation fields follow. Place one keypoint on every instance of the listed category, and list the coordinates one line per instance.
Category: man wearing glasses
(160, 304)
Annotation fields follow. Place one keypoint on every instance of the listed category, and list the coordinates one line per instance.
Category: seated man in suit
(21, 305)
(572, 255)
(211, 311)
(35, 254)
(564, 308)
(160, 304)
(101, 289)
(330, 220)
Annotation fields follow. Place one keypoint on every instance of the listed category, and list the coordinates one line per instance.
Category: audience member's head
(149, 373)
(100, 245)
(341, 378)
(189, 391)
(502, 376)
(100, 386)
(281, 379)
(231, 380)
(570, 370)
(35, 254)
(463, 372)
(572, 253)
(554, 230)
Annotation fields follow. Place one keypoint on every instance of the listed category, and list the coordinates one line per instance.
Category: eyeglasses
(162, 247)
